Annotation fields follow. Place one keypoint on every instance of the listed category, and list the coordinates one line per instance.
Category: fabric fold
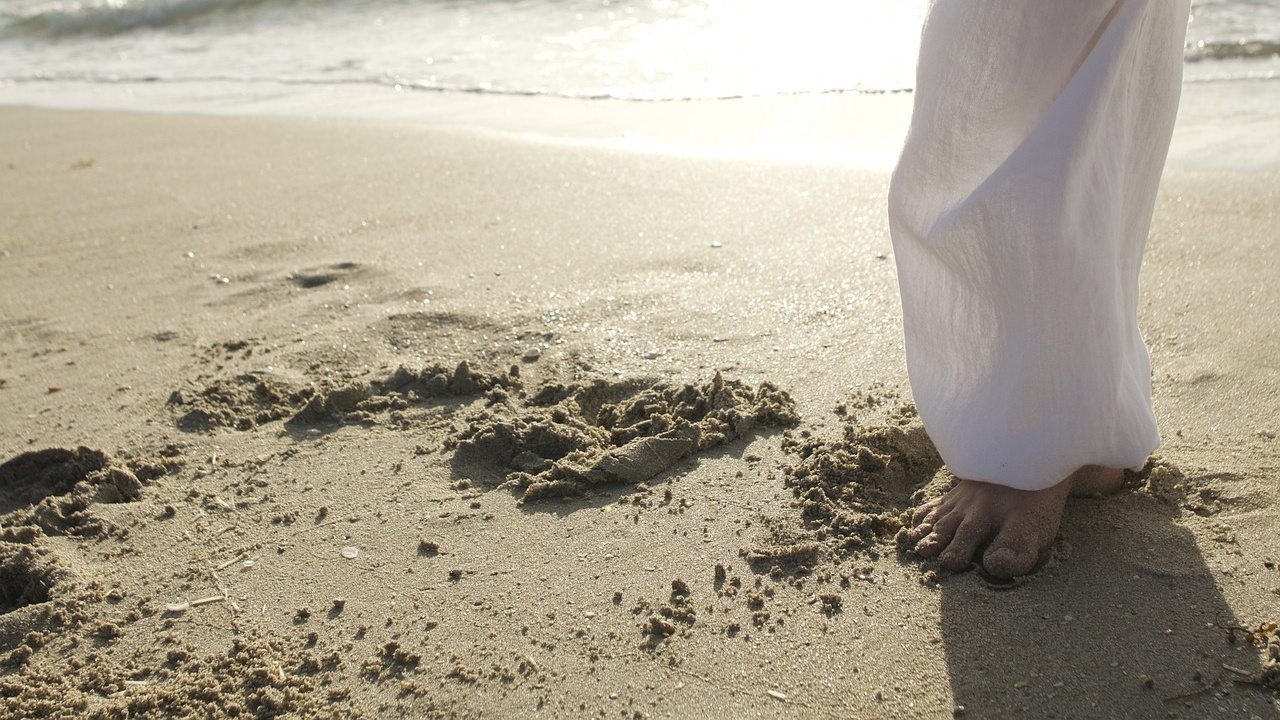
(1019, 211)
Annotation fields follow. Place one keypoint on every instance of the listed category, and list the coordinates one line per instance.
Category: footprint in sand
(54, 489)
(324, 275)
(52, 492)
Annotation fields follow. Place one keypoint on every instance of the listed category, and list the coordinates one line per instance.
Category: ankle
(1096, 481)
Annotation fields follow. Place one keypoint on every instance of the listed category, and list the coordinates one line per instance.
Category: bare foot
(1016, 526)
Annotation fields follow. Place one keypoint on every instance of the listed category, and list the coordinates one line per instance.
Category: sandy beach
(321, 417)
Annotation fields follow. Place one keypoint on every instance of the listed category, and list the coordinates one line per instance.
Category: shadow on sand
(1127, 626)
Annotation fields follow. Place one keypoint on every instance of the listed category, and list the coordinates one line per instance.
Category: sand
(323, 418)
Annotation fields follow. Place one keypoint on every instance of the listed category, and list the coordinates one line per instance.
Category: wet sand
(323, 418)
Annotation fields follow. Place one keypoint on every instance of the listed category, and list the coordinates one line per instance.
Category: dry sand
(336, 419)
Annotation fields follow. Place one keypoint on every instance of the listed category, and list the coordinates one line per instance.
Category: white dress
(1019, 211)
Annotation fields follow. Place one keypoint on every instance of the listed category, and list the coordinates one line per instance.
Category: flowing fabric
(1019, 211)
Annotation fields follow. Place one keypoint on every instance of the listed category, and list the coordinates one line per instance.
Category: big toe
(1015, 551)
(1009, 562)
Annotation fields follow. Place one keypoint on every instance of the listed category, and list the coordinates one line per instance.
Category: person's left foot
(1017, 526)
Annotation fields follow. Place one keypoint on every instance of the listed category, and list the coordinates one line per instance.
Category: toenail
(1006, 562)
(1003, 554)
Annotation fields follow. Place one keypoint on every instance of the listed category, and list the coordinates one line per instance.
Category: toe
(925, 510)
(929, 546)
(1013, 553)
(971, 533)
(1007, 562)
(919, 532)
(931, 543)
(926, 524)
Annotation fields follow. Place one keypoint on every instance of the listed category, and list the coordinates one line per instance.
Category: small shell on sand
(177, 607)
(531, 354)
(350, 553)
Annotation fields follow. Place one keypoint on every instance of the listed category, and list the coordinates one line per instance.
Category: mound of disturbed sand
(23, 579)
(254, 678)
(242, 402)
(853, 490)
(31, 579)
(1271, 670)
(53, 492)
(360, 401)
(569, 438)
(53, 489)
(248, 400)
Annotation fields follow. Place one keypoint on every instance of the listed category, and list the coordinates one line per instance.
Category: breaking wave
(110, 17)
(1238, 50)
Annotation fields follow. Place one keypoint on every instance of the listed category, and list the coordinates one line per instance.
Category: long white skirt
(1019, 211)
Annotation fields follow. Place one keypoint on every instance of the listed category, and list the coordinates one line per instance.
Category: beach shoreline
(220, 305)
(1223, 125)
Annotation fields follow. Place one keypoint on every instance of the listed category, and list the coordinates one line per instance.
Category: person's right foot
(1017, 526)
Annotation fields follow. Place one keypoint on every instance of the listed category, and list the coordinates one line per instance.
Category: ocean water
(626, 49)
